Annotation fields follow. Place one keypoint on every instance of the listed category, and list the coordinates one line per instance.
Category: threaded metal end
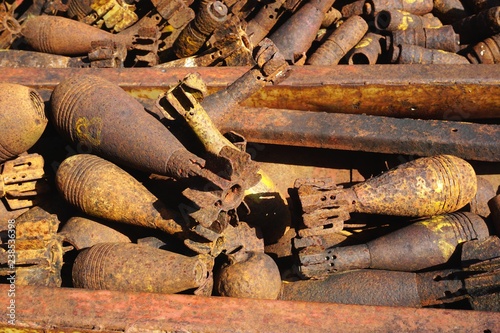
(78, 174)
(67, 98)
(89, 270)
(467, 226)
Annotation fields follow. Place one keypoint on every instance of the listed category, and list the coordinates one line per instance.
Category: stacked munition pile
(279, 165)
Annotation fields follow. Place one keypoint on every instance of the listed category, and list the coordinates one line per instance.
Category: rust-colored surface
(115, 311)
(257, 276)
(413, 54)
(132, 267)
(449, 11)
(341, 40)
(486, 52)
(258, 27)
(452, 92)
(393, 19)
(18, 58)
(494, 205)
(485, 192)
(475, 28)
(443, 38)
(422, 245)
(367, 51)
(372, 7)
(367, 133)
(22, 119)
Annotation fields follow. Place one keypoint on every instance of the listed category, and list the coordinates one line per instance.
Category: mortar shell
(413, 54)
(423, 187)
(132, 267)
(59, 35)
(83, 232)
(486, 52)
(22, 119)
(101, 189)
(99, 115)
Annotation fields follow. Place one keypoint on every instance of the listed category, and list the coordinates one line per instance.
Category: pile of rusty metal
(117, 33)
(372, 186)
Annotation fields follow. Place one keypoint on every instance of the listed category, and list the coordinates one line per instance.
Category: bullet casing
(132, 267)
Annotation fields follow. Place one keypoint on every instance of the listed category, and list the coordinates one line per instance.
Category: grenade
(101, 189)
(423, 244)
(22, 119)
(367, 51)
(264, 20)
(413, 54)
(486, 52)
(449, 11)
(391, 20)
(59, 35)
(443, 38)
(377, 287)
(256, 277)
(339, 42)
(210, 15)
(132, 267)
(423, 187)
(475, 28)
(295, 36)
(83, 232)
(372, 7)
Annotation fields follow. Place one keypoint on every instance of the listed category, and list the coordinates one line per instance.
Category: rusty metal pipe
(443, 38)
(475, 28)
(19, 58)
(413, 54)
(367, 133)
(391, 20)
(367, 51)
(423, 91)
(371, 7)
(55, 307)
(263, 22)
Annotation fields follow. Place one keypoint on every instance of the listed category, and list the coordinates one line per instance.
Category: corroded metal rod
(143, 312)
(367, 133)
(422, 91)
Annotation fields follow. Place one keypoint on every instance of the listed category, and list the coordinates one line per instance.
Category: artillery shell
(367, 51)
(296, 35)
(256, 277)
(372, 7)
(475, 28)
(413, 54)
(332, 16)
(486, 52)
(353, 8)
(101, 189)
(59, 35)
(339, 42)
(83, 232)
(391, 20)
(485, 192)
(443, 38)
(132, 267)
(449, 11)
(22, 119)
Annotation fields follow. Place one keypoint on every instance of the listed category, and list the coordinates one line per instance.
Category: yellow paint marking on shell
(438, 225)
(266, 185)
(364, 43)
(89, 130)
(405, 22)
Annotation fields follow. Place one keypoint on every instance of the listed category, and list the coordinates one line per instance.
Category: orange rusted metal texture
(453, 92)
(144, 312)
(366, 133)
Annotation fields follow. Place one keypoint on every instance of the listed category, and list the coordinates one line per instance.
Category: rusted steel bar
(367, 133)
(421, 91)
(144, 312)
